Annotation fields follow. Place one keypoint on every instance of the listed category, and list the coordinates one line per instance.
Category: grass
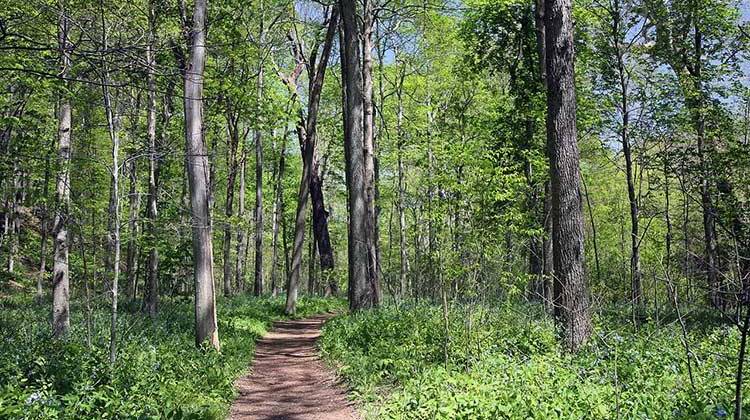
(159, 372)
(504, 363)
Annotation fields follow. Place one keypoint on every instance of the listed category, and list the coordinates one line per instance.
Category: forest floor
(289, 381)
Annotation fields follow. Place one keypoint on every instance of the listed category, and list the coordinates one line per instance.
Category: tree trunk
(198, 170)
(133, 229)
(636, 294)
(360, 290)
(151, 293)
(716, 292)
(278, 214)
(239, 273)
(258, 289)
(307, 134)
(15, 216)
(368, 127)
(60, 275)
(44, 232)
(571, 294)
(234, 136)
(403, 256)
(320, 219)
(548, 264)
(113, 221)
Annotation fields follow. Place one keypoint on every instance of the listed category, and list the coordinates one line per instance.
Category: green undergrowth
(159, 373)
(505, 363)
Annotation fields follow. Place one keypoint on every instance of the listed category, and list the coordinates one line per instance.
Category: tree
(60, 273)
(360, 290)
(307, 135)
(206, 328)
(570, 291)
(151, 293)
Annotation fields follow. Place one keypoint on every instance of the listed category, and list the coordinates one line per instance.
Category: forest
(396, 209)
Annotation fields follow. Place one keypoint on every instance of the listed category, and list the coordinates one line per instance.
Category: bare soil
(289, 381)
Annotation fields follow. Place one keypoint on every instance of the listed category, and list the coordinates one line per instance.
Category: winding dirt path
(289, 381)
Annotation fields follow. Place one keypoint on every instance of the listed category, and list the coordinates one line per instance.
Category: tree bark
(716, 292)
(636, 294)
(60, 274)
(206, 328)
(151, 294)
(549, 261)
(307, 134)
(258, 289)
(571, 294)
(133, 229)
(232, 144)
(360, 290)
(278, 214)
(320, 218)
(239, 272)
(44, 232)
(113, 221)
(368, 127)
(403, 256)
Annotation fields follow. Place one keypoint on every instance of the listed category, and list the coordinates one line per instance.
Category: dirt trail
(289, 381)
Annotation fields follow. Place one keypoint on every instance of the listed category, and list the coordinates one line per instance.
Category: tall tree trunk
(307, 134)
(360, 290)
(234, 135)
(113, 221)
(258, 289)
(636, 294)
(60, 275)
(151, 294)
(44, 232)
(239, 272)
(133, 229)
(206, 328)
(15, 215)
(278, 214)
(571, 294)
(403, 256)
(368, 127)
(716, 292)
(320, 226)
(299, 228)
(549, 261)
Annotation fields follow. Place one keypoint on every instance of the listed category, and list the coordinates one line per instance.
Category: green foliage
(159, 371)
(505, 363)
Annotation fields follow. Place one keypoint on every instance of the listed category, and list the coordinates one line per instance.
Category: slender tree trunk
(299, 226)
(206, 328)
(258, 289)
(320, 222)
(15, 216)
(360, 289)
(151, 294)
(368, 127)
(234, 135)
(594, 240)
(312, 283)
(403, 256)
(60, 275)
(45, 232)
(239, 272)
(133, 229)
(571, 294)
(113, 237)
(113, 228)
(278, 214)
(716, 292)
(636, 294)
(307, 134)
(549, 262)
